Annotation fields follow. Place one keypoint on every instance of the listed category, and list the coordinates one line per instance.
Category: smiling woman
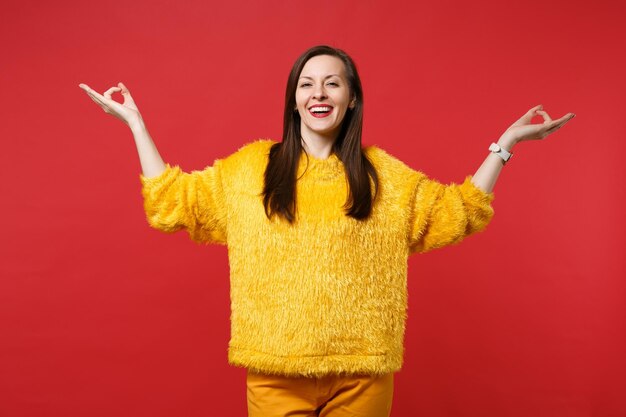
(319, 230)
(322, 98)
(322, 76)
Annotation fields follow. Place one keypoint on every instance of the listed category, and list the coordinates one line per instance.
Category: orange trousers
(330, 396)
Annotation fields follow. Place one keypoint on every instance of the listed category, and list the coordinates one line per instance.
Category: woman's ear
(352, 103)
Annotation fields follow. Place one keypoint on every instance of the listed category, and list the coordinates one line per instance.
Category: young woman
(319, 230)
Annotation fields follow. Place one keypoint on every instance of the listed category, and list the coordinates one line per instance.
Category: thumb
(128, 99)
(123, 87)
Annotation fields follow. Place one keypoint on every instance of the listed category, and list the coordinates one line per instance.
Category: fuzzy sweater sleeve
(176, 200)
(445, 214)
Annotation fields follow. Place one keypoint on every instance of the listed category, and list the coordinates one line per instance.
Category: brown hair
(282, 168)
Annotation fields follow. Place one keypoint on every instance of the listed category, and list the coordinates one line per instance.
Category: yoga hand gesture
(523, 129)
(151, 162)
(126, 112)
(487, 174)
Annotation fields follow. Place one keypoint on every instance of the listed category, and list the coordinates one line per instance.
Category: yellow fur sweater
(326, 295)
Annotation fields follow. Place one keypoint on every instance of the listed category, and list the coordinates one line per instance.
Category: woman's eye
(330, 83)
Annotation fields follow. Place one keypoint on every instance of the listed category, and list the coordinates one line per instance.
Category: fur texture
(326, 295)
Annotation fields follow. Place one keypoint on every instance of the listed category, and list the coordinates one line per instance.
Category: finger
(110, 91)
(98, 98)
(546, 116)
(99, 103)
(553, 127)
(95, 97)
(102, 106)
(566, 118)
(550, 131)
(528, 116)
(102, 101)
(87, 89)
(93, 93)
(557, 124)
(123, 87)
(128, 99)
(560, 122)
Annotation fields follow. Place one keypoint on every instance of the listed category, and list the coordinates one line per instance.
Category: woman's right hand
(126, 112)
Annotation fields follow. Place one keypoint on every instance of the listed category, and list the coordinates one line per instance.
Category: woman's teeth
(321, 111)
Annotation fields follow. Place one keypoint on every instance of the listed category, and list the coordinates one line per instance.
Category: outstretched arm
(173, 199)
(486, 176)
(151, 162)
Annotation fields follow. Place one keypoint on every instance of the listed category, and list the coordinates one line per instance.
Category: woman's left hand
(523, 129)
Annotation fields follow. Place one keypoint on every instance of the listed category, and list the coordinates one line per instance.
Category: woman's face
(322, 97)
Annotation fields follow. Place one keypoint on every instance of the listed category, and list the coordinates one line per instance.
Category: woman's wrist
(137, 124)
(506, 143)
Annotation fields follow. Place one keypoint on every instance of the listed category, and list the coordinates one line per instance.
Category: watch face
(494, 147)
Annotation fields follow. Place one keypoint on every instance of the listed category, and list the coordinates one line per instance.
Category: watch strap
(502, 153)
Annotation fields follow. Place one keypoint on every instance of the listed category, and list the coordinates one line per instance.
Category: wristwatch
(502, 153)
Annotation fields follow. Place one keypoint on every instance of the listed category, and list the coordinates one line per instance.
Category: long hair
(282, 168)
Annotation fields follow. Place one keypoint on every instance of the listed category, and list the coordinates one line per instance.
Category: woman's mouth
(320, 111)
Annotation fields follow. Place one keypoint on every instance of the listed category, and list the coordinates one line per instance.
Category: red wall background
(102, 316)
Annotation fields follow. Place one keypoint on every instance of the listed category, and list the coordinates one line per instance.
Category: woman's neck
(318, 147)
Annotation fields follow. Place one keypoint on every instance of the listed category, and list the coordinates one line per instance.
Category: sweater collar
(319, 169)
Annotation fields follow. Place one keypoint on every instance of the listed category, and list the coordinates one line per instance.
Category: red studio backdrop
(100, 315)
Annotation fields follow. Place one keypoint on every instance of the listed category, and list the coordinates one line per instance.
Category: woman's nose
(319, 92)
